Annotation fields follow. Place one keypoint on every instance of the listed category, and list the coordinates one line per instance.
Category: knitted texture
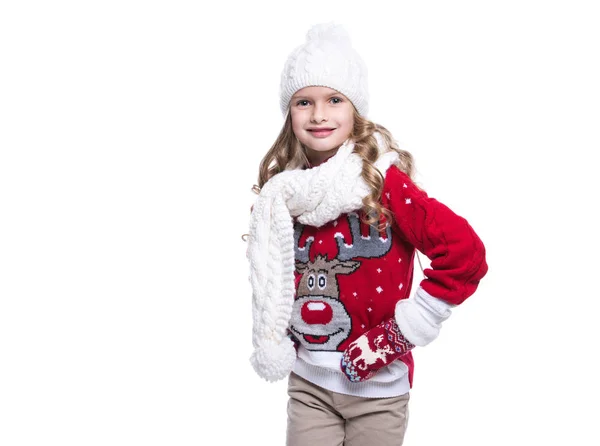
(350, 278)
(420, 317)
(326, 59)
(375, 349)
(457, 254)
(316, 196)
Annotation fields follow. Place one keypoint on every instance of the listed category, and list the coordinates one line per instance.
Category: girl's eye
(302, 103)
(336, 100)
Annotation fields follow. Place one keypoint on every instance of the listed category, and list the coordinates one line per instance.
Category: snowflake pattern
(408, 201)
(379, 289)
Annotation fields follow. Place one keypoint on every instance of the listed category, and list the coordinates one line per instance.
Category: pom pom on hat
(328, 32)
(326, 59)
(273, 361)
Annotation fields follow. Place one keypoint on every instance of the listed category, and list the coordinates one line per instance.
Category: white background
(130, 135)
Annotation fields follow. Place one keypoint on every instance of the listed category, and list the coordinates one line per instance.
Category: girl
(332, 240)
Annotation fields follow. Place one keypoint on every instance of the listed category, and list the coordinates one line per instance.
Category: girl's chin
(325, 146)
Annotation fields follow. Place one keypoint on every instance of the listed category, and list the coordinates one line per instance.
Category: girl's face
(322, 119)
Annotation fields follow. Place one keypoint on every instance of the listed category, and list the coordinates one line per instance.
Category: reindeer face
(319, 319)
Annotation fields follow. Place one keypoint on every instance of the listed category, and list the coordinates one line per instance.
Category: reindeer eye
(310, 282)
(322, 281)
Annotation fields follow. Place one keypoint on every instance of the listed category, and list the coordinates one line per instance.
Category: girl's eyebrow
(309, 97)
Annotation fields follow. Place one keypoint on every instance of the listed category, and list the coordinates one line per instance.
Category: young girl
(332, 240)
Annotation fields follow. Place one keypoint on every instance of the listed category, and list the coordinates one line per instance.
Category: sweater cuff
(420, 317)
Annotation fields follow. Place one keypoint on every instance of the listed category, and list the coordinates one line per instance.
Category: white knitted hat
(326, 59)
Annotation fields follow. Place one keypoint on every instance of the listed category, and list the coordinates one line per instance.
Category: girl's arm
(457, 256)
(457, 265)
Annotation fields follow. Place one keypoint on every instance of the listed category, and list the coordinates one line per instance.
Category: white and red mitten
(373, 350)
(419, 318)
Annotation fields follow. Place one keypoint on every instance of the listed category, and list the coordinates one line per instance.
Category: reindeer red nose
(314, 312)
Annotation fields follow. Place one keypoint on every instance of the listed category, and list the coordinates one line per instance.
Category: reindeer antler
(385, 348)
(301, 253)
(371, 246)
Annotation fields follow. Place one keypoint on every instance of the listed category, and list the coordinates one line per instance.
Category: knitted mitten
(375, 349)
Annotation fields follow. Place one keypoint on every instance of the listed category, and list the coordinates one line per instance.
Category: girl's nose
(318, 114)
(314, 312)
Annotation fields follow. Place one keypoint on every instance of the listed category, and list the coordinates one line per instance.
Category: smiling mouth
(311, 339)
(321, 132)
(316, 339)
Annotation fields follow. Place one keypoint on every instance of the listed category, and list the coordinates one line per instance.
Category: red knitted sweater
(349, 276)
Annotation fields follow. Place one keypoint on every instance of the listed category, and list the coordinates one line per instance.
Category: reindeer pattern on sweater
(322, 318)
(350, 276)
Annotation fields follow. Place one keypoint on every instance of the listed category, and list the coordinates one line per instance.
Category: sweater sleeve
(457, 254)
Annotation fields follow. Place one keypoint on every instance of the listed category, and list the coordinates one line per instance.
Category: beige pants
(319, 417)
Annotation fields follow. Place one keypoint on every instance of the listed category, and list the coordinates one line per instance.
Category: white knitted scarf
(315, 196)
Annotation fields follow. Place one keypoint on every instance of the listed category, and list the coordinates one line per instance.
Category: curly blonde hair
(287, 152)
